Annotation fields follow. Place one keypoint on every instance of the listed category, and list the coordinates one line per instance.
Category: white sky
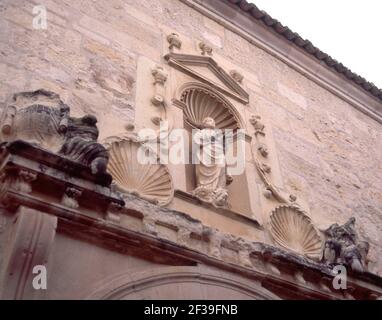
(350, 31)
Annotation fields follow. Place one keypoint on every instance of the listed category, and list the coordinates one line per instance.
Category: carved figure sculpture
(81, 144)
(342, 246)
(210, 169)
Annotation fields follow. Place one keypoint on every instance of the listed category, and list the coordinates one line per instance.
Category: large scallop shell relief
(293, 230)
(148, 181)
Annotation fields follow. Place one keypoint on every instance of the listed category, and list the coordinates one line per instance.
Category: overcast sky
(350, 31)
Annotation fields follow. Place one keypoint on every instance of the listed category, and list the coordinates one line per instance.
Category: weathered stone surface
(41, 118)
(321, 150)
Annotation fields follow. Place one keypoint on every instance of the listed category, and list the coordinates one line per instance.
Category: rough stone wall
(329, 153)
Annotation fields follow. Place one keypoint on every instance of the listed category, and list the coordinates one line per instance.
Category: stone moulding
(223, 211)
(46, 172)
(150, 231)
(184, 63)
(151, 181)
(38, 188)
(121, 286)
(293, 230)
(196, 244)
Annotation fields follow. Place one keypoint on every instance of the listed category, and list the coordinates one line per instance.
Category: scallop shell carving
(149, 181)
(293, 230)
(202, 103)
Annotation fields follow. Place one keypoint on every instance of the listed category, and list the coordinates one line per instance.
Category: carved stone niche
(293, 230)
(342, 246)
(206, 112)
(200, 103)
(205, 92)
(42, 119)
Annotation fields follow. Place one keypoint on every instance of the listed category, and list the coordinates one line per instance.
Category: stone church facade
(82, 217)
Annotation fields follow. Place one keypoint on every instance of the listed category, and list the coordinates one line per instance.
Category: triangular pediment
(206, 70)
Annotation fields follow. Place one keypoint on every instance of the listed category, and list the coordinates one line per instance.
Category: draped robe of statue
(210, 168)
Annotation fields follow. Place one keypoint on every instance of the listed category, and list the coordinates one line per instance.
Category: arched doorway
(180, 283)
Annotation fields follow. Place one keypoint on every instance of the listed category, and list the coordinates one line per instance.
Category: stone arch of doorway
(164, 283)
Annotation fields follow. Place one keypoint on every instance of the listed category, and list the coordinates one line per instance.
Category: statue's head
(208, 122)
(84, 127)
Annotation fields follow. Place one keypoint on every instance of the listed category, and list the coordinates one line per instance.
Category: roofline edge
(239, 22)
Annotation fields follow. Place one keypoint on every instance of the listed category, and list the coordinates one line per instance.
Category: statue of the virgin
(210, 167)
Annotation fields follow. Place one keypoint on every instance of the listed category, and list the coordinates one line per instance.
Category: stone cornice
(273, 267)
(137, 227)
(256, 32)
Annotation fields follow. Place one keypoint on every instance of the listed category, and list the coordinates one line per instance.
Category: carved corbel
(149, 225)
(215, 241)
(325, 284)
(160, 78)
(23, 182)
(244, 259)
(114, 212)
(299, 277)
(174, 41)
(70, 197)
(183, 236)
(206, 49)
(272, 268)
